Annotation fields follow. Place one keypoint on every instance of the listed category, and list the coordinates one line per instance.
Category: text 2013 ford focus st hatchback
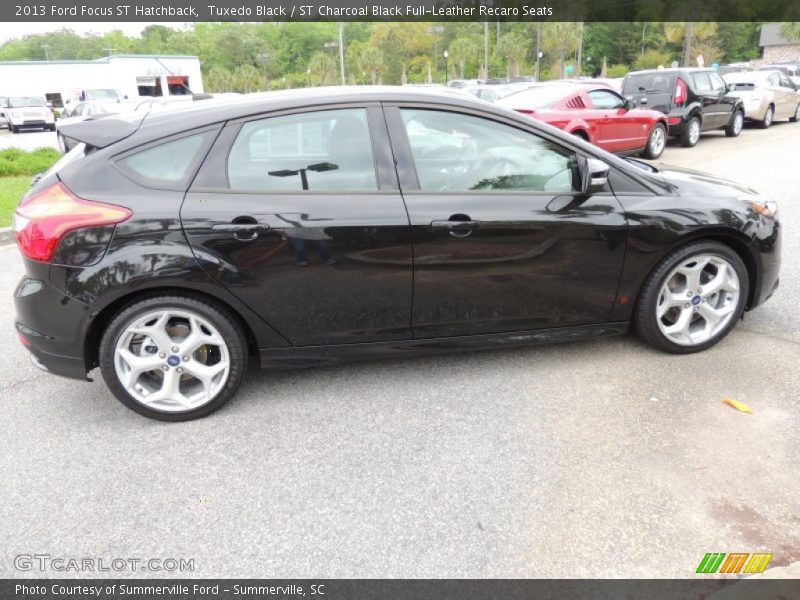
(303, 227)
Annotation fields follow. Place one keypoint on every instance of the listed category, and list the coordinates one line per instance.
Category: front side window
(606, 99)
(458, 152)
(314, 151)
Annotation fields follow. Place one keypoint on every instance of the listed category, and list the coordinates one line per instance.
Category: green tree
(560, 39)
(462, 50)
(512, 47)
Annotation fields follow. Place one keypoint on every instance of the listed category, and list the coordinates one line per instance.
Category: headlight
(763, 206)
(15, 114)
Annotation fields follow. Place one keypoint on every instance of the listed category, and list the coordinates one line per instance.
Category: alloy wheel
(172, 360)
(657, 141)
(738, 122)
(694, 131)
(697, 300)
(768, 117)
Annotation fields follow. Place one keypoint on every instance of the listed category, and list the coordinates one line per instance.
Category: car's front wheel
(173, 357)
(656, 142)
(693, 298)
(734, 128)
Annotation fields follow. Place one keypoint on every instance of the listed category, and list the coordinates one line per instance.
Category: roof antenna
(183, 83)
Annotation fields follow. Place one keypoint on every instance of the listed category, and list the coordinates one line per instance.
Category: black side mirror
(630, 104)
(594, 175)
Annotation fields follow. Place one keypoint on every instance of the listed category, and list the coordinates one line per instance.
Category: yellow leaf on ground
(740, 406)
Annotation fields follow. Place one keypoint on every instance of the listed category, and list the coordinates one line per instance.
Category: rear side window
(701, 82)
(168, 164)
(310, 151)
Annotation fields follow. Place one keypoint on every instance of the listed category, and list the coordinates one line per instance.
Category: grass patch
(11, 190)
(14, 161)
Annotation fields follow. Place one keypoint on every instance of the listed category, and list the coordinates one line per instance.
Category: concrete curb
(6, 236)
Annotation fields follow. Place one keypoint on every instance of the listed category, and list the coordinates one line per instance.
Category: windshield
(102, 95)
(16, 102)
(539, 97)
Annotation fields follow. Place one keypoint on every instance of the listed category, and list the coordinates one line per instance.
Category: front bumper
(51, 325)
(767, 249)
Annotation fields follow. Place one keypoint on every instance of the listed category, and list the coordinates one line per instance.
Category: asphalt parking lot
(593, 459)
(28, 140)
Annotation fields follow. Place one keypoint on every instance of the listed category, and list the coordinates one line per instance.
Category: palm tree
(322, 66)
(512, 47)
(461, 49)
(791, 31)
(562, 39)
(371, 60)
(690, 33)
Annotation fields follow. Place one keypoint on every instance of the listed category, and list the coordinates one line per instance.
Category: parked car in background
(767, 95)
(694, 100)
(82, 112)
(595, 113)
(740, 67)
(302, 227)
(28, 112)
(790, 69)
(3, 122)
(490, 93)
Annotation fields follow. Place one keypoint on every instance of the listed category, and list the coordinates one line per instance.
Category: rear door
(502, 239)
(300, 216)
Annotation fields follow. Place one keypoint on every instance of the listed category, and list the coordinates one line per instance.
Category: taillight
(42, 220)
(526, 111)
(680, 91)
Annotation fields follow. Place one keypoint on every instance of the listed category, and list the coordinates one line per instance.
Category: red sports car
(597, 114)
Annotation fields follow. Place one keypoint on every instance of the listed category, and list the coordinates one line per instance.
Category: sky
(16, 29)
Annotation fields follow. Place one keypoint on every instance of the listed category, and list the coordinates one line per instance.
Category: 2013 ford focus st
(303, 227)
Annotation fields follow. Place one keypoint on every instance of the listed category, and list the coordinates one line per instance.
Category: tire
(796, 116)
(769, 115)
(14, 129)
(160, 366)
(678, 325)
(51, 127)
(656, 142)
(580, 134)
(734, 128)
(691, 133)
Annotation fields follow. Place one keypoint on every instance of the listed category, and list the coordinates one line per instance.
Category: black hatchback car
(303, 227)
(694, 100)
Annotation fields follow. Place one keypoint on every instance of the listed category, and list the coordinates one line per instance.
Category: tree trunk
(461, 65)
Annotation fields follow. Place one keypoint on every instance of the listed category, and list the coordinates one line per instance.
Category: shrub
(14, 161)
(617, 71)
(652, 59)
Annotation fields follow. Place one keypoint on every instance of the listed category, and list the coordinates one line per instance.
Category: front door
(503, 241)
(621, 130)
(300, 216)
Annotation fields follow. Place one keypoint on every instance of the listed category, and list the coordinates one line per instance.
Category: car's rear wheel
(734, 128)
(693, 298)
(691, 133)
(14, 129)
(656, 142)
(173, 358)
(796, 116)
(767, 120)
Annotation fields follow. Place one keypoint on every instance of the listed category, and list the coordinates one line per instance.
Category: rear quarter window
(168, 164)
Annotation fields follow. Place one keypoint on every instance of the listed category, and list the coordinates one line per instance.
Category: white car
(28, 112)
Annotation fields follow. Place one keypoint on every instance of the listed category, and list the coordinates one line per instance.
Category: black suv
(694, 100)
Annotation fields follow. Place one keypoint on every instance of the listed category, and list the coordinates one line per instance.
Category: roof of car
(672, 70)
(207, 112)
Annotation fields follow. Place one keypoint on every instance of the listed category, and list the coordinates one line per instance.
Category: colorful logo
(734, 562)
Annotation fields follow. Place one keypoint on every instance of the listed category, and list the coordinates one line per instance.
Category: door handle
(457, 228)
(244, 229)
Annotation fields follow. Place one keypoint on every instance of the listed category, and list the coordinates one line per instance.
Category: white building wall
(37, 78)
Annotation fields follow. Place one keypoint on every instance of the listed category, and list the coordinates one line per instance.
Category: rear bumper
(51, 327)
